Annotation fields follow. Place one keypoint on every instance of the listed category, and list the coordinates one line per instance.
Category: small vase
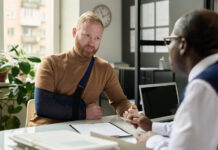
(3, 76)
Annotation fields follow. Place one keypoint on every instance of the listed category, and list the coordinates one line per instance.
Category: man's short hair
(88, 16)
(200, 29)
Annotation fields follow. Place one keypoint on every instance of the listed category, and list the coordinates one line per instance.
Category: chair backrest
(30, 111)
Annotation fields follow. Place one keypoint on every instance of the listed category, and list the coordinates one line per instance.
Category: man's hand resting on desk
(142, 137)
(93, 111)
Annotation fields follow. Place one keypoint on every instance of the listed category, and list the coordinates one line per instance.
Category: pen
(124, 118)
(116, 136)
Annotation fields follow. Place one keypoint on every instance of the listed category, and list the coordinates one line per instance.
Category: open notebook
(61, 140)
(159, 101)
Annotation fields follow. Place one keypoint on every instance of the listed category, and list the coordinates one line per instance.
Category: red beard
(82, 50)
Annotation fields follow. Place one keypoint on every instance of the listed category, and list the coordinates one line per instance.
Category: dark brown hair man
(193, 50)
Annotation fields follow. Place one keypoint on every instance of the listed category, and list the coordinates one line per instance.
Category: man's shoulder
(55, 57)
(101, 61)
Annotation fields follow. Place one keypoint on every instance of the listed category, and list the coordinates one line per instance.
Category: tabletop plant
(4, 70)
(21, 75)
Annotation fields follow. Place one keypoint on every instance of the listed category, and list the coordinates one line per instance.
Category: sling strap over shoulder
(79, 106)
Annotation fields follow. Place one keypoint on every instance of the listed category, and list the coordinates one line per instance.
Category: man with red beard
(59, 76)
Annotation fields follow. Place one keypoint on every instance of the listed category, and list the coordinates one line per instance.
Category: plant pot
(3, 76)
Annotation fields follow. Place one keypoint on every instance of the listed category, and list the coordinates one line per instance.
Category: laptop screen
(159, 100)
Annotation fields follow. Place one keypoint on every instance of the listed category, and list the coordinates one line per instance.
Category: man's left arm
(115, 93)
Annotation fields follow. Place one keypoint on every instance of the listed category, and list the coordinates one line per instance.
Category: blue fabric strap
(79, 106)
(86, 76)
(210, 75)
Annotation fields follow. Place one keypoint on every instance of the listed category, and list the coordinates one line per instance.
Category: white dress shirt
(195, 126)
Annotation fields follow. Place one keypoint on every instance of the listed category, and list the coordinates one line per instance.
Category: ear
(183, 46)
(74, 32)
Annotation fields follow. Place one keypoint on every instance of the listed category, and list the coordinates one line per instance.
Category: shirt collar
(202, 65)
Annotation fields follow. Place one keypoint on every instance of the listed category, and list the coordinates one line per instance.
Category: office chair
(30, 111)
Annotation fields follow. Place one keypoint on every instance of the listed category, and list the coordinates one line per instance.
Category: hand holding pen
(137, 120)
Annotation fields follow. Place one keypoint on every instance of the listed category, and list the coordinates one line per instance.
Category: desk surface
(5, 142)
(142, 68)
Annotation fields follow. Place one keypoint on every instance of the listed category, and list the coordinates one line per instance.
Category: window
(28, 48)
(42, 33)
(154, 24)
(42, 49)
(43, 17)
(24, 24)
(27, 31)
(10, 14)
(30, 12)
(43, 2)
(10, 31)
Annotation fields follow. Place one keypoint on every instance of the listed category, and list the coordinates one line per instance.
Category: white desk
(5, 142)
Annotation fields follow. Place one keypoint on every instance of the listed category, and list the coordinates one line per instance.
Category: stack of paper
(107, 129)
(62, 140)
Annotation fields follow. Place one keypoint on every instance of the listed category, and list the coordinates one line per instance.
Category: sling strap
(79, 106)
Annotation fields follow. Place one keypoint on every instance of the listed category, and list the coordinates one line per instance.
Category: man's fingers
(134, 106)
(132, 116)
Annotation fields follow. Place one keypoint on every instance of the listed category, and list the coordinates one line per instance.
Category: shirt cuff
(163, 128)
(154, 141)
(158, 127)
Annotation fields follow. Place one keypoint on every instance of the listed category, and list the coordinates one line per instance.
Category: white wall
(110, 48)
(69, 15)
(180, 7)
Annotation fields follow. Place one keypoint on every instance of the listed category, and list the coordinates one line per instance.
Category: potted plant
(4, 70)
(23, 88)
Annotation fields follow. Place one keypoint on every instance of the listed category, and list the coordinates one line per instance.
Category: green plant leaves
(18, 81)
(4, 118)
(17, 109)
(14, 49)
(32, 73)
(29, 87)
(14, 110)
(12, 123)
(10, 78)
(9, 122)
(25, 67)
(15, 71)
(34, 59)
(20, 75)
(10, 109)
(22, 89)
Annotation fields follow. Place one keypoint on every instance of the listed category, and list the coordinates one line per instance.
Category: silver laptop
(159, 101)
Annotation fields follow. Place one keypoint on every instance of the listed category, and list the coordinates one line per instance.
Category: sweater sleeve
(45, 76)
(115, 93)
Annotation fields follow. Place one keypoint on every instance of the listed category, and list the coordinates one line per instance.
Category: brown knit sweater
(61, 74)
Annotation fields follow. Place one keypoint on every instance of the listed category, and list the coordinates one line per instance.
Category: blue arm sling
(63, 107)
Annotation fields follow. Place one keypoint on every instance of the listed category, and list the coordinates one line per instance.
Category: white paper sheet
(62, 139)
(107, 129)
